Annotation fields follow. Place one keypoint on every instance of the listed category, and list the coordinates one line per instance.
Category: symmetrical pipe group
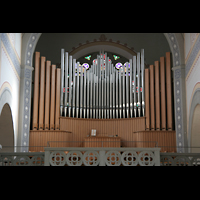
(102, 91)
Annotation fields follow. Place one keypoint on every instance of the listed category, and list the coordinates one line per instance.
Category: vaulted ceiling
(154, 44)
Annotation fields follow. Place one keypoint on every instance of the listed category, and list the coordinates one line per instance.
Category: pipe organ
(102, 91)
(127, 100)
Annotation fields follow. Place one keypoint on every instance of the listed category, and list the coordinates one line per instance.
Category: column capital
(178, 67)
(27, 67)
(26, 72)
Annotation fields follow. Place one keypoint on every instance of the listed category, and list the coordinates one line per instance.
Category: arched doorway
(6, 130)
(195, 131)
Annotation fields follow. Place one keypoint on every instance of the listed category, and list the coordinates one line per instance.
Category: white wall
(10, 61)
(192, 60)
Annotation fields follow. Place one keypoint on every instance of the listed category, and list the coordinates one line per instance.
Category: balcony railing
(101, 156)
(179, 159)
(21, 159)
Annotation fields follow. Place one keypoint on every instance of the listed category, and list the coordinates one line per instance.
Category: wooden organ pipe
(147, 100)
(36, 91)
(157, 94)
(52, 103)
(57, 107)
(47, 95)
(163, 100)
(159, 113)
(169, 91)
(152, 98)
(42, 90)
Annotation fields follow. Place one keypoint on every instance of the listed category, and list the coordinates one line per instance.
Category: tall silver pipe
(97, 88)
(134, 86)
(77, 92)
(66, 83)
(91, 90)
(88, 93)
(105, 87)
(110, 90)
(127, 90)
(114, 85)
(117, 96)
(123, 91)
(143, 89)
(131, 89)
(81, 92)
(120, 93)
(70, 85)
(62, 81)
(84, 93)
(102, 88)
(74, 88)
(138, 85)
(99, 85)
(94, 91)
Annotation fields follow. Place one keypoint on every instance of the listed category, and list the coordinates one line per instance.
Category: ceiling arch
(173, 40)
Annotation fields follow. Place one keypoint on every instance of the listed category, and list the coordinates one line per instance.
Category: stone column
(180, 108)
(25, 107)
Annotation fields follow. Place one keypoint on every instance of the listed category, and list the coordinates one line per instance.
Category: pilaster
(180, 108)
(25, 107)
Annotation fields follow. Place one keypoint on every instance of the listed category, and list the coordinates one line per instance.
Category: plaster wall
(192, 80)
(10, 59)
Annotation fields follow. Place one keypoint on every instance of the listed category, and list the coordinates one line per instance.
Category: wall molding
(11, 52)
(190, 63)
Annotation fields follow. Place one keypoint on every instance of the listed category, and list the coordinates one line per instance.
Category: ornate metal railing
(68, 156)
(102, 156)
(21, 159)
(179, 159)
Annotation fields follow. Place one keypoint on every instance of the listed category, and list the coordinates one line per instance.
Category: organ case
(127, 102)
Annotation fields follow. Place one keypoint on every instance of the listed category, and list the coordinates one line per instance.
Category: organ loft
(99, 100)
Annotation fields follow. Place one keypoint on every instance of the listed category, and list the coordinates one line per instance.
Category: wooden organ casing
(49, 126)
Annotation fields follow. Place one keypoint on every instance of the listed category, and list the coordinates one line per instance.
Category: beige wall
(6, 129)
(192, 81)
(195, 137)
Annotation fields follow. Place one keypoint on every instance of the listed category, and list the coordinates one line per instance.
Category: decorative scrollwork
(167, 161)
(74, 158)
(182, 161)
(129, 158)
(21, 161)
(57, 158)
(37, 161)
(6, 161)
(195, 161)
(146, 158)
(113, 158)
(91, 158)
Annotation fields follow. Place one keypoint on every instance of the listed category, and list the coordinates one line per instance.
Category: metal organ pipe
(62, 80)
(66, 83)
(102, 91)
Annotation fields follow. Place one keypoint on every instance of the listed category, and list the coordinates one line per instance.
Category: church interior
(100, 90)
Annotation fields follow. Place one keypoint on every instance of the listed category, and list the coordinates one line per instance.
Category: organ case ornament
(102, 90)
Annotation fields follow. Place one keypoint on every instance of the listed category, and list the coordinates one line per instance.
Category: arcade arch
(175, 41)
